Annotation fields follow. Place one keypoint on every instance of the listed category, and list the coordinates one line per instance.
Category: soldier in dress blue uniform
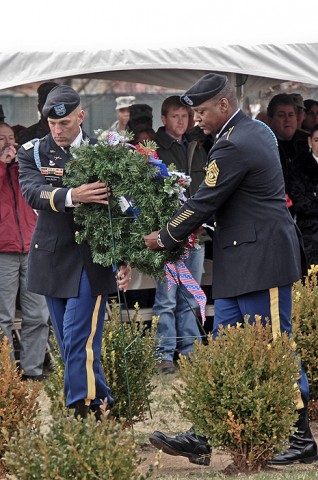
(257, 247)
(75, 288)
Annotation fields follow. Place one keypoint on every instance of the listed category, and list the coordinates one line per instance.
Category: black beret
(43, 91)
(206, 88)
(60, 102)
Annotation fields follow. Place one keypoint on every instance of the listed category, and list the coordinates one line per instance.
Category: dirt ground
(167, 465)
(166, 417)
(178, 466)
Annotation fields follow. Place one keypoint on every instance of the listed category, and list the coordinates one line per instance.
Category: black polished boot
(102, 410)
(195, 447)
(303, 448)
(98, 411)
(80, 409)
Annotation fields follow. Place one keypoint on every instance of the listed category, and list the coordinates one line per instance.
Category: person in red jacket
(17, 222)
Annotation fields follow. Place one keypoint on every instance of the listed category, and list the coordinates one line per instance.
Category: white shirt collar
(224, 126)
(78, 139)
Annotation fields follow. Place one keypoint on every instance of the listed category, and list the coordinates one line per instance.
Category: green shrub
(240, 391)
(54, 387)
(129, 360)
(18, 400)
(305, 327)
(75, 450)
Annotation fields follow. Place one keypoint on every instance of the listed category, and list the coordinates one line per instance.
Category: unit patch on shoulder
(28, 145)
(212, 174)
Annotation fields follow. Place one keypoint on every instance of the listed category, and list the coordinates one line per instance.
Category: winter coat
(192, 163)
(303, 187)
(17, 219)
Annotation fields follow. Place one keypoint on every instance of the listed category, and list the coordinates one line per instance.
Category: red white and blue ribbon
(114, 138)
(178, 273)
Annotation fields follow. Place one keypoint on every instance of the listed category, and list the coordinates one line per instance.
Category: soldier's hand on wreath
(123, 277)
(96, 192)
(151, 240)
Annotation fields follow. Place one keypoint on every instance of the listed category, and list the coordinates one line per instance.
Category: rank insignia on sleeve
(212, 174)
(181, 217)
(45, 195)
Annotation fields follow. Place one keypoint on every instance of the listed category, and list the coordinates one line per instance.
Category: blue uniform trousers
(275, 304)
(78, 324)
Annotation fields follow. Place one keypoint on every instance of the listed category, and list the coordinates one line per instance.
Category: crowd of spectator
(292, 119)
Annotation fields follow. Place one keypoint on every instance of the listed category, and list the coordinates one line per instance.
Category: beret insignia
(60, 110)
(187, 100)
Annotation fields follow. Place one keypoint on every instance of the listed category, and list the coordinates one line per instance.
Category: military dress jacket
(56, 261)
(256, 243)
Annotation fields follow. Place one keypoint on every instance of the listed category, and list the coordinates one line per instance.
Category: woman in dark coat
(303, 191)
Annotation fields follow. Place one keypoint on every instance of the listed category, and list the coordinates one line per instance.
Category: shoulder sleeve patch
(212, 174)
(28, 145)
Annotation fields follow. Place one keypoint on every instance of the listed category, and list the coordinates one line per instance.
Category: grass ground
(166, 417)
(261, 476)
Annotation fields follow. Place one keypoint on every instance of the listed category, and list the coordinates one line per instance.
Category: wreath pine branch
(114, 236)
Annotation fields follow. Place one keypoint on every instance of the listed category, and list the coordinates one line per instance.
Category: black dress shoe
(102, 410)
(295, 455)
(187, 444)
(98, 411)
(303, 448)
(80, 409)
(34, 378)
(166, 366)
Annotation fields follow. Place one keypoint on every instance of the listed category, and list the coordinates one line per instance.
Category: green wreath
(113, 235)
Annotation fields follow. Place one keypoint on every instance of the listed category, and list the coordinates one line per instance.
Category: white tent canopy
(177, 68)
(169, 44)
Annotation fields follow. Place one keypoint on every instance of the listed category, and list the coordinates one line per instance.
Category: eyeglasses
(312, 114)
